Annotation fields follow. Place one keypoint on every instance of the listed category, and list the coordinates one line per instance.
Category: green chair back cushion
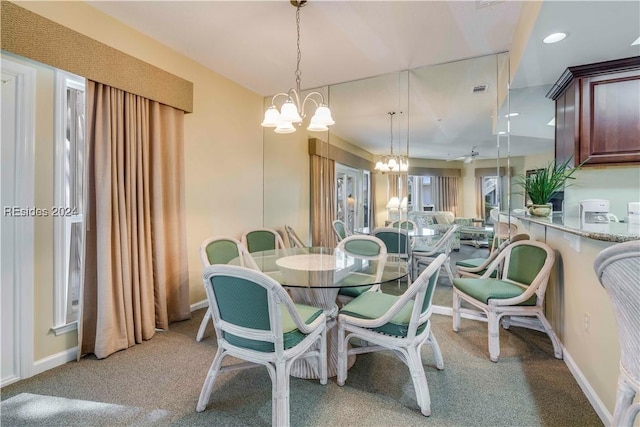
(486, 289)
(260, 241)
(371, 305)
(339, 227)
(525, 263)
(405, 225)
(245, 303)
(396, 243)
(362, 247)
(221, 251)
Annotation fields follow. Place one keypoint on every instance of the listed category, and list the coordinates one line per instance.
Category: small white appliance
(633, 213)
(595, 211)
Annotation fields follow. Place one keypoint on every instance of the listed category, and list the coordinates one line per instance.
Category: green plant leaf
(547, 181)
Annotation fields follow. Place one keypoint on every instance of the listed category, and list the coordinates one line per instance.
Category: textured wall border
(32, 36)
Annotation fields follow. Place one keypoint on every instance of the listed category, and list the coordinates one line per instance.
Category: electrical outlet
(587, 322)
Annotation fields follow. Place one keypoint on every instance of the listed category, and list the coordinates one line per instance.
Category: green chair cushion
(525, 263)
(471, 262)
(371, 305)
(221, 251)
(486, 289)
(260, 240)
(292, 335)
(363, 247)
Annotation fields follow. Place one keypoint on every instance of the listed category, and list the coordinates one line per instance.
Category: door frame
(23, 227)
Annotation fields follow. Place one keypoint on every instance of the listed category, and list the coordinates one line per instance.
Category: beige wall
(223, 154)
(573, 293)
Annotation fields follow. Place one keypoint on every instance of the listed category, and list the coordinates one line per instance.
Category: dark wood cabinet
(598, 113)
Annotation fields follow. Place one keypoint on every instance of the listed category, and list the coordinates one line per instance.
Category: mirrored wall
(454, 123)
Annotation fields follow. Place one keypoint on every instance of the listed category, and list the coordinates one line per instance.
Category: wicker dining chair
(424, 255)
(262, 239)
(398, 323)
(292, 236)
(475, 267)
(525, 268)
(618, 270)
(340, 229)
(221, 250)
(256, 321)
(399, 248)
(366, 248)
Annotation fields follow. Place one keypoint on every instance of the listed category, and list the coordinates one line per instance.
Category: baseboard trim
(597, 404)
(200, 304)
(592, 396)
(54, 360)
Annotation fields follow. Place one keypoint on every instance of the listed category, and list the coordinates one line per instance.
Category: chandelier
(292, 110)
(392, 163)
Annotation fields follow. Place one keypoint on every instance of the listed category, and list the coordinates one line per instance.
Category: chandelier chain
(298, 72)
(391, 113)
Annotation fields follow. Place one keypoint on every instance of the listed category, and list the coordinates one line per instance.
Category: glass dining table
(314, 276)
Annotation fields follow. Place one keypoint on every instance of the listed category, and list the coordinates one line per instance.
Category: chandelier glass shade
(292, 110)
(392, 162)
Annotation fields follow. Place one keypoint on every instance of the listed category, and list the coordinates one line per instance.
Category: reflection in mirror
(453, 175)
(368, 131)
(448, 118)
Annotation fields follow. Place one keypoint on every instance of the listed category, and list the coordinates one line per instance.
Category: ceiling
(254, 44)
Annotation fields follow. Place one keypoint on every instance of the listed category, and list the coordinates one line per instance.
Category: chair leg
(623, 414)
(437, 354)
(207, 387)
(494, 335)
(447, 267)
(203, 325)
(557, 348)
(342, 356)
(280, 398)
(456, 311)
(419, 380)
(323, 357)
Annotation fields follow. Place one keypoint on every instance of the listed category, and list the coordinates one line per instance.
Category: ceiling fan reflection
(467, 158)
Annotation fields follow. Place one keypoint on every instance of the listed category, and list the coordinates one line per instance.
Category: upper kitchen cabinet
(598, 113)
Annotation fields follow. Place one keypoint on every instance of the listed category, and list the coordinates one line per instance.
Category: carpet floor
(158, 383)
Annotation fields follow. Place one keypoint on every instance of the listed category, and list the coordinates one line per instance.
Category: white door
(16, 223)
(348, 196)
(10, 360)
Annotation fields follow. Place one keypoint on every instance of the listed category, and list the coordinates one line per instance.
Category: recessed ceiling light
(501, 133)
(512, 114)
(554, 38)
(552, 122)
(636, 42)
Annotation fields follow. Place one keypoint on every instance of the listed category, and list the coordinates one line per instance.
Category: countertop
(616, 232)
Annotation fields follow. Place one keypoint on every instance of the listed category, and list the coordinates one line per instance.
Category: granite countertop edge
(615, 237)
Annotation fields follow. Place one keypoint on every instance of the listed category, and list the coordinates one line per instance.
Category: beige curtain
(446, 193)
(479, 198)
(136, 277)
(322, 201)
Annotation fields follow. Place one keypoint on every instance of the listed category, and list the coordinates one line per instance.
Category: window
(68, 209)
(490, 194)
(420, 195)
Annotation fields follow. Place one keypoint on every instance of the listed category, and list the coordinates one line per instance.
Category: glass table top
(323, 267)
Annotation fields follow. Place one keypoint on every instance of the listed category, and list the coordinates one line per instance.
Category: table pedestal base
(323, 298)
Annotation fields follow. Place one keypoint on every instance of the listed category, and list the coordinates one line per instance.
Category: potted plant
(544, 183)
